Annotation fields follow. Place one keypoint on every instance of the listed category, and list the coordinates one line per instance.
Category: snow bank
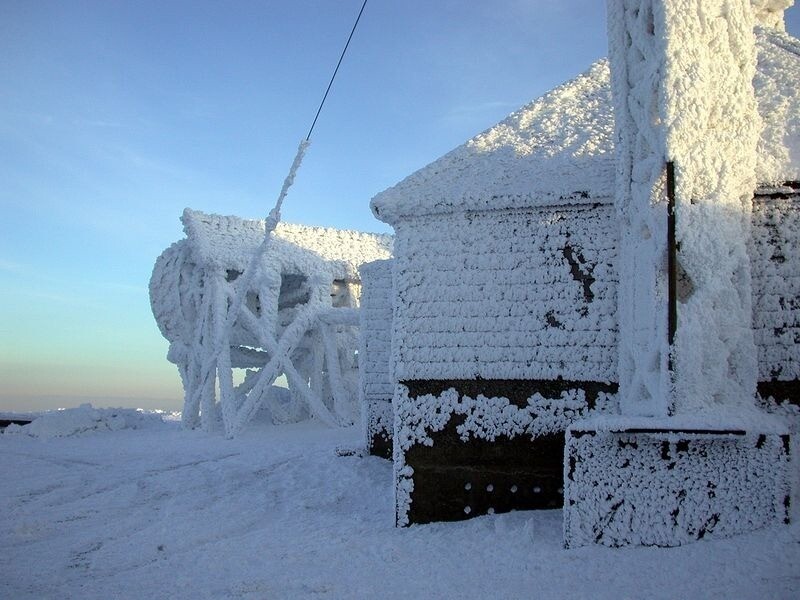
(86, 419)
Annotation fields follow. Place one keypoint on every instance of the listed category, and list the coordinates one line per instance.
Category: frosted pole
(682, 75)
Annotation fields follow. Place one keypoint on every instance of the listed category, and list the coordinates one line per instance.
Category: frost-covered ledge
(667, 482)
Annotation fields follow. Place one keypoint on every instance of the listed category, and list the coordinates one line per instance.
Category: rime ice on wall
(375, 336)
(778, 96)
(769, 13)
(494, 419)
(640, 203)
(712, 133)
(494, 296)
(775, 264)
(512, 294)
(487, 289)
(682, 73)
(671, 488)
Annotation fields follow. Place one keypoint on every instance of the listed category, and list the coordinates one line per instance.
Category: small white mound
(86, 419)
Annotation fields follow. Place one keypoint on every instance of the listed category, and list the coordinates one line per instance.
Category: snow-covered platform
(668, 482)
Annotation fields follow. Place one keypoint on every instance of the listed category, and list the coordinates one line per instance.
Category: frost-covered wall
(640, 200)
(712, 135)
(507, 294)
(375, 336)
(775, 260)
(464, 453)
(510, 258)
(504, 332)
(769, 13)
(682, 73)
(670, 488)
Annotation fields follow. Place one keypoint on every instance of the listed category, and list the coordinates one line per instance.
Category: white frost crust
(778, 95)
(484, 418)
(378, 421)
(555, 150)
(636, 69)
(375, 336)
(559, 149)
(217, 244)
(775, 264)
(683, 73)
(670, 489)
(769, 13)
(753, 423)
(518, 294)
(228, 242)
(712, 130)
(306, 273)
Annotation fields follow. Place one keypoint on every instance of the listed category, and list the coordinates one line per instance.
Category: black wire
(336, 70)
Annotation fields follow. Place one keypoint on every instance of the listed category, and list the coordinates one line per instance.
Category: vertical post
(672, 260)
(672, 283)
(682, 78)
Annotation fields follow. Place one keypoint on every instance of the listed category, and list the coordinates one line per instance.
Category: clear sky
(115, 115)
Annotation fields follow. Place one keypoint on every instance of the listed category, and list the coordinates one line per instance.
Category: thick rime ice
(297, 318)
(641, 202)
(511, 294)
(375, 336)
(769, 13)
(778, 96)
(512, 264)
(712, 128)
(775, 265)
(556, 150)
(683, 93)
(667, 489)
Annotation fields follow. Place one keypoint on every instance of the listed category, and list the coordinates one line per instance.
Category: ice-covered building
(558, 338)
(377, 384)
(297, 319)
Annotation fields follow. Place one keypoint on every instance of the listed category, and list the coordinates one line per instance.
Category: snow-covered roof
(228, 242)
(559, 149)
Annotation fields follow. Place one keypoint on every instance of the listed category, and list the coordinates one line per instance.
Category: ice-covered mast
(682, 77)
(246, 280)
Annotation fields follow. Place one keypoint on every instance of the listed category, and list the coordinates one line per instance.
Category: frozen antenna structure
(246, 314)
(297, 318)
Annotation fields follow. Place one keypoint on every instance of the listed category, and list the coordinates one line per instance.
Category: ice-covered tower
(687, 127)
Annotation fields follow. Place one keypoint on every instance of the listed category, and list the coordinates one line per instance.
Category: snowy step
(667, 486)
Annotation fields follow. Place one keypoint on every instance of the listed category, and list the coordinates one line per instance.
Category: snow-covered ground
(157, 512)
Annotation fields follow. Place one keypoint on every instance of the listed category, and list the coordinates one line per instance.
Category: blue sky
(114, 116)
